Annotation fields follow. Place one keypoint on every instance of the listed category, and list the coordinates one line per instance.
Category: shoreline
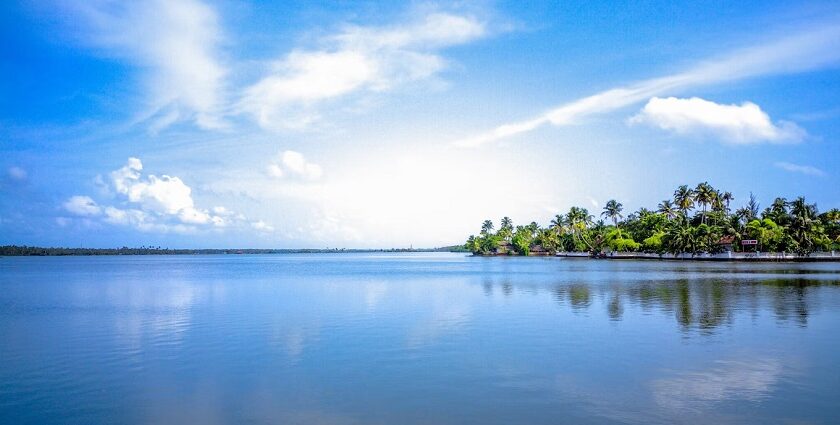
(732, 257)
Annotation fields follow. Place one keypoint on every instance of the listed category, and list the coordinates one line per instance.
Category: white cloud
(357, 60)
(153, 203)
(291, 164)
(738, 124)
(812, 49)
(262, 226)
(17, 173)
(802, 169)
(164, 195)
(82, 206)
(176, 42)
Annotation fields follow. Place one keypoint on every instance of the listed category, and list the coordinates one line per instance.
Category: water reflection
(699, 304)
(752, 380)
(412, 340)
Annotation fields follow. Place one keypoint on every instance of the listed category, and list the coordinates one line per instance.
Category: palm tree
(744, 215)
(579, 219)
(643, 212)
(534, 228)
(507, 223)
(684, 199)
(727, 197)
(558, 223)
(803, 225)
(681, 237)
(704, 194)
(777, 211)
(613, 211)
(667, 207)
(506, 229)
(486, 227)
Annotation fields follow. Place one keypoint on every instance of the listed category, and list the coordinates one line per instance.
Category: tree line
(23, 250)
(695, 220)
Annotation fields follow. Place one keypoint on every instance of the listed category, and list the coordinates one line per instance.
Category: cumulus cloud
(152, 203)
(291, 164)
(356, 60)
(175, 42)
(164, 195)
(811, 49)
(82, 206)
(739, 124)
(802, 169)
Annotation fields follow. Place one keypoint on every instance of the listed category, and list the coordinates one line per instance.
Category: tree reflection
(702, 305)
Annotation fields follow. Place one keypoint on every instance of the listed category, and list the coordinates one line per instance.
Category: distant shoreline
(33, 251)
(732, 257)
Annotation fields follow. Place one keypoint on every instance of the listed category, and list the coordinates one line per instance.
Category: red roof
(726, 240)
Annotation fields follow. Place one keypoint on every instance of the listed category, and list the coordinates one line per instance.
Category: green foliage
(654, 242)
(620, 241)
(522, 240)
(770, 236)
(675, 227)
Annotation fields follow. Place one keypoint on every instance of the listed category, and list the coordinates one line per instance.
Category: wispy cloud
(801, 169)
(801, 52)
(176, 43)
(17, 173)
(736, 124)
(356, 60)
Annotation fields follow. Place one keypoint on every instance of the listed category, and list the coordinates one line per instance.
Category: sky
(234, 123)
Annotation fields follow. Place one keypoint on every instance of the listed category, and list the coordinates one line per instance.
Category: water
(416, 339)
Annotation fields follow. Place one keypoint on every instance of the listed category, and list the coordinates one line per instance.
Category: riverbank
(832, 256)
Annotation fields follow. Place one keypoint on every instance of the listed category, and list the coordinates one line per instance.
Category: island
(695, 224)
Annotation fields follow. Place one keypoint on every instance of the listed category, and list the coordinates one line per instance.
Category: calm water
(416, 339)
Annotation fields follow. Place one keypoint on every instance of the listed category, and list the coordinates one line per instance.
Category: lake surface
(416, 339)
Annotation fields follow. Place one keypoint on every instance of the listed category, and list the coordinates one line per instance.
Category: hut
(504, 248)
(725, 243)
(538, 250)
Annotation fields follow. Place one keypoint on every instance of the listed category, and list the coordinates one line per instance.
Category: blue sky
(383, 124)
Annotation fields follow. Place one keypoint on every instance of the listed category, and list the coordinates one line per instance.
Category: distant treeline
(16, 250)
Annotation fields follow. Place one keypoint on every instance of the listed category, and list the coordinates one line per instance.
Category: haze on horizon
(232, 123)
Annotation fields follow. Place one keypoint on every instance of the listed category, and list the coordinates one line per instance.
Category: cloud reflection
(751, 380)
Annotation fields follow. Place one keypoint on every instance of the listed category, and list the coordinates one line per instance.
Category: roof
(726, 240)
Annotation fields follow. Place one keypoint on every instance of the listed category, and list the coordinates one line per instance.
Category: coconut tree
(507, 223)
(486, 227)
(777, 211)
(667, 208)
(804, 225)
(727, 197)
(579, 220)
(506, 229)
(704, 194)
(684, 199)
(558, 224)
(473, 244)
(613, 211)
(680, 237)
(744, 215)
